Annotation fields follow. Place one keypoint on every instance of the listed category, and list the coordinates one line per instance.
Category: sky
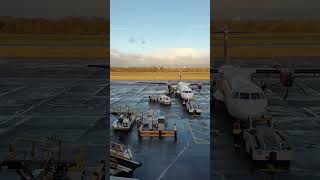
(160, 32)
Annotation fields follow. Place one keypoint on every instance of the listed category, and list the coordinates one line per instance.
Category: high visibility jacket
(236, 128)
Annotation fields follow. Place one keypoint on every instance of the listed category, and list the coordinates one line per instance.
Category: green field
(53, 46)
(159, 76)
(259, 45)
(268, 45)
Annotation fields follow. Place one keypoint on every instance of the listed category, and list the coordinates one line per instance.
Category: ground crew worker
(263, 86)
(84, 174)
(236, 130)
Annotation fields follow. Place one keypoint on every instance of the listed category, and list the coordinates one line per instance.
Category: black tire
(243, 146)
(251, 154)
(130, 174)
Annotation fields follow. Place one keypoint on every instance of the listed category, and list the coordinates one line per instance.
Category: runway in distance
(182, 89)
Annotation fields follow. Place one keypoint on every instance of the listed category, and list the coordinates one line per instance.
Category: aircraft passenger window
(235, 95)
(244, 96)
(255, 96)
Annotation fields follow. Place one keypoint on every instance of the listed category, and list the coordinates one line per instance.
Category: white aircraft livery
(184, 91)
(241, 96)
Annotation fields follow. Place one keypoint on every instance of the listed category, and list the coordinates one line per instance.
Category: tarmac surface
(187, 158)
(42, 98)
(298, 116)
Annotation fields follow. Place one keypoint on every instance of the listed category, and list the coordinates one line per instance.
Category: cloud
(132, 40)
(175, 57)
(119, 27)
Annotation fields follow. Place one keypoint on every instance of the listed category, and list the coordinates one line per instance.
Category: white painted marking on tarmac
(40, 116)
(193, 124)
(100, 89)
(35, 105)
(204, 141)
(201, 132)
(175, 159)
(113, 89)
(4, 130)
(4, 121)
(195, 140)
(113, 100)
(311, 112)
(123, 92)
(13, 90)
(142, 89)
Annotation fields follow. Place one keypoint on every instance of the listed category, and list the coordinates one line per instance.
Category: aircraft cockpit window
(244, 96)
(235, 95)
(255, 96)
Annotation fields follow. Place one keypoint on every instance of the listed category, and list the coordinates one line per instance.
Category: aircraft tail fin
(226, 45)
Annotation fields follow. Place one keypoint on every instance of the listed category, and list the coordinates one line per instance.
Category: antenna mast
(226, 45)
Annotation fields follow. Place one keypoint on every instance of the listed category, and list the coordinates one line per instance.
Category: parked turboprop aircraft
(242, 97)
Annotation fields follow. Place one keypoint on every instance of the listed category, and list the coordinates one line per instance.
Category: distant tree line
(68, 25)
(157, 69)
(265, 26)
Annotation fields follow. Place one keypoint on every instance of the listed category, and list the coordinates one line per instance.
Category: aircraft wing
(200, 83)
(152, 82)
(295, 71)
(98, 66)
(306, 71)
(268, 71)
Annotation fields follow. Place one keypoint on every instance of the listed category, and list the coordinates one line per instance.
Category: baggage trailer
(157, 133)
(156, 127)
(193, 107)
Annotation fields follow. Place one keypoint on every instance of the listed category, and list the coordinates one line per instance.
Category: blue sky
(147, 26)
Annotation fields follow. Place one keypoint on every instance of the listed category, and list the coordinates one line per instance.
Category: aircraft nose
(250, 109)
(256, 109)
